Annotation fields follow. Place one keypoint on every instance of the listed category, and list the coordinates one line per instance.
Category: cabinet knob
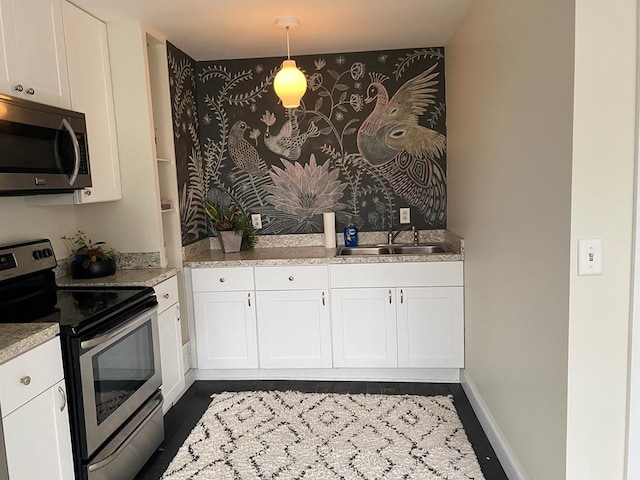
(291, 278)
(222, 280)
(87, 192)
(166, 295)
(30, 91)
(26, 380)
(18, 88)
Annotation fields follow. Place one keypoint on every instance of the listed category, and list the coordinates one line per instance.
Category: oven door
(119, 371)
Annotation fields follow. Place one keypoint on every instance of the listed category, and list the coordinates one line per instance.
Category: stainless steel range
(110, 355)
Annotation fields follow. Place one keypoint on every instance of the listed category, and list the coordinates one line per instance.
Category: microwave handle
(76, 150)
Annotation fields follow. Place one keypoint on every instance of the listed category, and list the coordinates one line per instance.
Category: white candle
(329, 229)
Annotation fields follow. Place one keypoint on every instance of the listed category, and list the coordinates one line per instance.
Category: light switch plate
(590, 257)
(405, 215)
(256, 221)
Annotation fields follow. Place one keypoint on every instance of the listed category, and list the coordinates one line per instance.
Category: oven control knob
(26, 380)
(47, 252)
(37, 254)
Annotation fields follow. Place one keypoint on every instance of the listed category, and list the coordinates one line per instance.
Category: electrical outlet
(405, 215)
(256, 221)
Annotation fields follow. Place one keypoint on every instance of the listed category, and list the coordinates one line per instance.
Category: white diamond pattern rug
(293, 435)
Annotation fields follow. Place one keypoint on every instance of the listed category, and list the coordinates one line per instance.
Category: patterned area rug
(293, 435)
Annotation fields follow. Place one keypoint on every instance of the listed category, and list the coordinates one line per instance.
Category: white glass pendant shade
(290, 84)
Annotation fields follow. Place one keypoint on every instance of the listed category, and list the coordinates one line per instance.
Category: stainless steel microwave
(43, 149)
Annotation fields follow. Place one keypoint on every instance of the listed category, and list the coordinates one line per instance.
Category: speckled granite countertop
(17, 338)
(144, 277)
(302, 256)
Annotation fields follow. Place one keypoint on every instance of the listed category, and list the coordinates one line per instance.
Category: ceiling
(232, 29)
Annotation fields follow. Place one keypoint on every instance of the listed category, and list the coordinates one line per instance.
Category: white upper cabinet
(33, 62)
(92, 94)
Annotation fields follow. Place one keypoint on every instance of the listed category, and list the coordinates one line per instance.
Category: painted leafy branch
(255, 93)
(405, 61)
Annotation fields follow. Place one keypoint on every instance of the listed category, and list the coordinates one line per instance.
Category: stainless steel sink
(364, 250)
(418, 249)
(392, 250)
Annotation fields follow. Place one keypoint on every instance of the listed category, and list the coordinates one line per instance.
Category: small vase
(230, 241)
(101, 268)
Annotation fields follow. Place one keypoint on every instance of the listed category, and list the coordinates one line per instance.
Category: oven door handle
(103, 463)
(94, 342)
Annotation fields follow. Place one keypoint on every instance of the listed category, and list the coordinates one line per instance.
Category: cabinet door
(430, 327)
(226, 330)
(294, 329)
(39, 63)
(91, 93)
(37, 438)
(7, 45)
(171, 355)
(364, 327)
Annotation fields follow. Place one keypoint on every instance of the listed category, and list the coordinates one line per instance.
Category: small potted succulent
(234, 228)
(90, 259)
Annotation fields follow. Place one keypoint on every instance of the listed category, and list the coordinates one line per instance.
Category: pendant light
(289, 83)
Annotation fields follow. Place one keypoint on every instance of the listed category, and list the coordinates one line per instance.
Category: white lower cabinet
(378, 322)
(225, 318)
(430, 327)
(400, 315)
(364, 327)
(35, 415)
(294, 329)
(294, 326)
(226, 329)
(170, 339)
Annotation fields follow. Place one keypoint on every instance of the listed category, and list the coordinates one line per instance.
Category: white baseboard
(335, 374)
(498, 441)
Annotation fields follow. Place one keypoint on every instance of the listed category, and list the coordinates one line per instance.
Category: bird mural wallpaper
(368, 139)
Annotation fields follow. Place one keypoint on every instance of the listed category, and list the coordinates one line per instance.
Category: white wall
(509, 100)
(602, 207)
(21, 221)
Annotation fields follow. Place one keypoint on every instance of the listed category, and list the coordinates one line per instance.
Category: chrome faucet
(391, 235)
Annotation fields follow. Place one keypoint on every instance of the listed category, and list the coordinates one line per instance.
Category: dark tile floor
(183, 416)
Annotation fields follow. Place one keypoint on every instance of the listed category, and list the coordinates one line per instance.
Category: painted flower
(340, 60)
(258, 68)
(268, 118)
(356, 102)
(253, 108)
(357, 85)
(357, 70)
(254, 134)
(383, 58)
(339, 117)
(315, 81)
(319, 63)
(206, 119)
(305, 191)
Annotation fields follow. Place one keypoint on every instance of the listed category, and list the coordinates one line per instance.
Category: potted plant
(90, 259)
(234, 228)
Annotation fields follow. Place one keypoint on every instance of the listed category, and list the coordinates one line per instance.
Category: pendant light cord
(288, 54)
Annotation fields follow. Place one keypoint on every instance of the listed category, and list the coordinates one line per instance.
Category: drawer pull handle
(401, 296)
(30, 91)
(18, 88)
(26, 380)
(166, 295)
(323, 299)
(249, 299)
(64, 398)
(291, 278)
(222, 280)
(389, 296)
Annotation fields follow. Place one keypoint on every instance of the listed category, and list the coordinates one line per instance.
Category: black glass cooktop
(75, 309)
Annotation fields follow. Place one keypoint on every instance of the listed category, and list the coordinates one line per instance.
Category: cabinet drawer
(30, 374)
(167, 293)
(296, 277)
(222, 279)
